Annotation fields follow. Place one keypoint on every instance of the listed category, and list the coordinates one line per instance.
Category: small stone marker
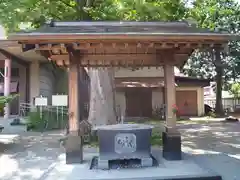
(85, 130)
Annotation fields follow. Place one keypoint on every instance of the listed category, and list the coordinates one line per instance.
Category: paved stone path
(213, 145)
(31, 157)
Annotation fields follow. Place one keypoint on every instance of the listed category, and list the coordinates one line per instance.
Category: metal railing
(47, 117)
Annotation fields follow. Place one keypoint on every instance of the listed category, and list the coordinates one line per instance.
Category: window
(14, 72)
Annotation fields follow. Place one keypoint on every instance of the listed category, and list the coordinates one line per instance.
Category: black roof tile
(121, 27)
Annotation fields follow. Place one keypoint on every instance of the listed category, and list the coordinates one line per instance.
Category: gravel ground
(213, 145)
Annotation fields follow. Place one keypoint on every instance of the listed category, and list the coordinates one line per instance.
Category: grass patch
(48, 120)
(156, 138)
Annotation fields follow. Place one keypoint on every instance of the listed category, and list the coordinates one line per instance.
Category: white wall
(157, 98)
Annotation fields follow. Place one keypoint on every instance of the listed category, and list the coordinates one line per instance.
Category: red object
(176, 110)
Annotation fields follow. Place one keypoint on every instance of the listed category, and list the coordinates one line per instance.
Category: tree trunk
(102, 97)
(219, 81)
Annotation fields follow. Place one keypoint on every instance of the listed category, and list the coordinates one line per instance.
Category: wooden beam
(125, 45)
(13, 57)
(120, 60)
(67, 38)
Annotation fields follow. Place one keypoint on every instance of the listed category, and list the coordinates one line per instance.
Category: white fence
(227, 102)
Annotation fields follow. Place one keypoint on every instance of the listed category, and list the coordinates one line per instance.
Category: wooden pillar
(7, 84)
(171, 137)
(73, 78)
(73, 145)
(170, 95)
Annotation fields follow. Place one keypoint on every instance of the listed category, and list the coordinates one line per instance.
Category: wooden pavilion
(120, 44)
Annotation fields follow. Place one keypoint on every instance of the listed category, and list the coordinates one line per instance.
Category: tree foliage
(235, 90)
(218, 15)
(6, 99)
(36, 12)
(222, 66)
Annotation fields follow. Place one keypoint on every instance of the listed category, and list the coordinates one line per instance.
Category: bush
(49, 120)
(7, 99)
(158, 112)
(156, 139)
(212, 114)
(34, 121)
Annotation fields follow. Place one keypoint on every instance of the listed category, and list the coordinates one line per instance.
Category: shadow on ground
(30, 157)
(215, 146)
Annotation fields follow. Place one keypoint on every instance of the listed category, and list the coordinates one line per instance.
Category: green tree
(37, 12)
(221, 66)
(235, 90)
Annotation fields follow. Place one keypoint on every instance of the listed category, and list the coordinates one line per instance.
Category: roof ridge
(118, 23)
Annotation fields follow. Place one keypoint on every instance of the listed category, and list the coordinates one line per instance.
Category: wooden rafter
(122, 60)
(121, 53)
(124, 45)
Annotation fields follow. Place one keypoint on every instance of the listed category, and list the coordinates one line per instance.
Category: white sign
(59, 100)
(41, 101)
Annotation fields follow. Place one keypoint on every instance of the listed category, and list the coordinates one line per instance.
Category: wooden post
(171, 137)
(7, 84)
(74, 151)
(170, 95)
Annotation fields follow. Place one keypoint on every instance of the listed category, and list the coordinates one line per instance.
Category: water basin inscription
(125, 143)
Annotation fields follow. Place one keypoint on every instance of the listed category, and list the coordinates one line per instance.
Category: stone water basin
(124, 142)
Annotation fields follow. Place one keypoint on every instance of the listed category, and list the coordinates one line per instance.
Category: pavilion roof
(106, 43)
(123, 28)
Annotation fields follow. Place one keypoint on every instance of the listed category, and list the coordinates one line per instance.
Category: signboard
(60, 100)
(41, 101)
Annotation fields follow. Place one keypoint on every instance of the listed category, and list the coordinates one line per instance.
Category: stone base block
(147, 162)
(103, 164)
(172, 146)
(74, 149)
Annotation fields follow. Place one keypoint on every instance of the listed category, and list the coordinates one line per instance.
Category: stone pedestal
(172, 146)
(73, 147)
(124, 142)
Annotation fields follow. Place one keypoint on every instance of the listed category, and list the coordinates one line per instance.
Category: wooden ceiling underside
(120, 53)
